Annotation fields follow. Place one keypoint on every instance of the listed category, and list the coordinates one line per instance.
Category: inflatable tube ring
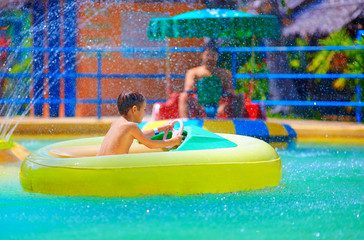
(174, 131)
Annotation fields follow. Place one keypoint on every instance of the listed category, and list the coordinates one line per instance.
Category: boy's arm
(165, 128)
(149, 133)
(138, 135)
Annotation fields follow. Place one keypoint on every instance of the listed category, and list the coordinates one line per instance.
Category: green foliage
(355, 66)
(23, 66)
(19, 33)
(297, 59)
(247, 62)
(257, 89)
(348, 61)
(242, 57)
(322, 62)
(283, 3)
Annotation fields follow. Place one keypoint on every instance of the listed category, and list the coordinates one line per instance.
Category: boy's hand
(166, 127)
(176, 141)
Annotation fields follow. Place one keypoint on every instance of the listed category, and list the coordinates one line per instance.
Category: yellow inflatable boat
(204, 163)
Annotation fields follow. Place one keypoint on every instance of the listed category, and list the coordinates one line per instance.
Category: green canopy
(214, 23)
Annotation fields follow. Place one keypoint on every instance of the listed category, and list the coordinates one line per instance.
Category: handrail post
(358, 99)
(99, 97)
(359, 36)
(54, 36)
(38, 56)
(234, 68)
(70, 33)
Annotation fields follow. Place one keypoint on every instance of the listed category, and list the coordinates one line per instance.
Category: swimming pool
(321, 196)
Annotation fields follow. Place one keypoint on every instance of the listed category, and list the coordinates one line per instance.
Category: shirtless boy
(123, 131)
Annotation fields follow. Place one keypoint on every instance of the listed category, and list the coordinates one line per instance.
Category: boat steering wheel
(174, 131)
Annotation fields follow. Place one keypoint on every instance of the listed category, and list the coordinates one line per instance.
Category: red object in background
(4, 42)
(169, 110)
(4, 28)
(254, 111)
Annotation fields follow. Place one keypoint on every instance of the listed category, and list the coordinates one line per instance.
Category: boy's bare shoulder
(132, 125)
(132, 128)
(125, 125)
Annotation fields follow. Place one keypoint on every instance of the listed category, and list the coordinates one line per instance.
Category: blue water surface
(321, 196)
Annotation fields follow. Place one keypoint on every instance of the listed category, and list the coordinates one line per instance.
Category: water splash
(19, 61)
(15, 62)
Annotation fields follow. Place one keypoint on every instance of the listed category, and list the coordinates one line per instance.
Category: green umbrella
(214, 23)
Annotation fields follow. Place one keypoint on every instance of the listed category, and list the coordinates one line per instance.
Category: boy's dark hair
(211, 45)
(127, 100)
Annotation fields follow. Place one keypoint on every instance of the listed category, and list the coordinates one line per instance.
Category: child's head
(210, 54)
(211, 45)
(127, 100)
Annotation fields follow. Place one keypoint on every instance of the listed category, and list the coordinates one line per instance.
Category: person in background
(188, 103)
(123, 131)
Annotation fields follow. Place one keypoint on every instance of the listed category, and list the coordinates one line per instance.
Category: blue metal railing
(99, 75)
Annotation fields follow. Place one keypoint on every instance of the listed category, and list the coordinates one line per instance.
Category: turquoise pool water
(321, 196)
